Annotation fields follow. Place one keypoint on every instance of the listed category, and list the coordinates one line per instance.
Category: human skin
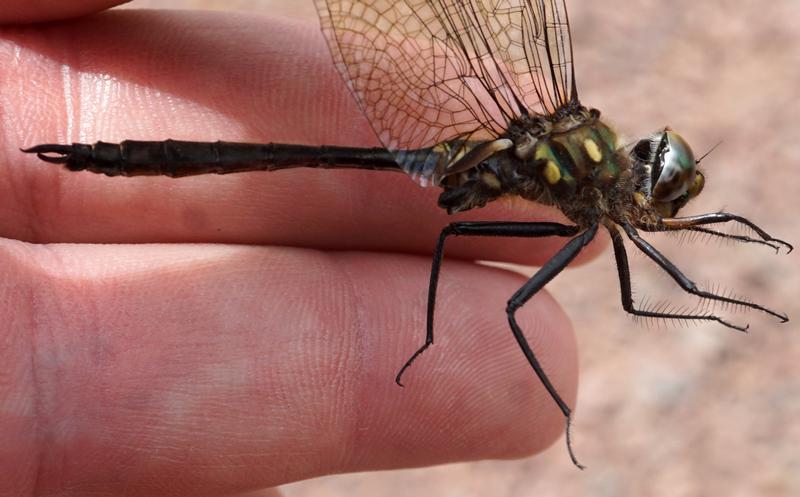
(242, 331)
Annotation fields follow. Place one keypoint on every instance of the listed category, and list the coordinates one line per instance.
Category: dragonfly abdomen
(177, 158)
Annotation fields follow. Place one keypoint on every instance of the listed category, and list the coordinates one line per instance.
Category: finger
(164, 369)
(270, 492)
(208, 76)
(23, 11)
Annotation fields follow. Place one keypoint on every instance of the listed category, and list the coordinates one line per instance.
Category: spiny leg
(547, 272)
(679, 223)
(626, 294)
(737, 238)
(687, 284)
(491, 228)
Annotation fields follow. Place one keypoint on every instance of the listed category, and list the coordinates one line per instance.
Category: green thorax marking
(584, 156)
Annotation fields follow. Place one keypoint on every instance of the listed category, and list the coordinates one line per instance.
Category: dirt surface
(665, 410)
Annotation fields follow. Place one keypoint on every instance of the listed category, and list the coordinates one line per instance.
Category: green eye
(676, 168)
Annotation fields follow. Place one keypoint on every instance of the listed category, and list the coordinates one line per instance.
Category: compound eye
(677, 171)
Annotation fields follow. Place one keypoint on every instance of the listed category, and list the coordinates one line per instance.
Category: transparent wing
(427, 72)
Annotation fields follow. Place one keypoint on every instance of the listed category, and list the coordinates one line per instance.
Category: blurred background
(665, 410)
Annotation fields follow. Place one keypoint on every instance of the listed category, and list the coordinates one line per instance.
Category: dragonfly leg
(490, 228)
(626, 294)
(688, 285)
(738, 238)
(689, 222)
(547, 272)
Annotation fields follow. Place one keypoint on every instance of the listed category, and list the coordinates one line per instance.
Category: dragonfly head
(672, 177)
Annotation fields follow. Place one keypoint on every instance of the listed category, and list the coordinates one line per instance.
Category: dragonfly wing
(450, 72)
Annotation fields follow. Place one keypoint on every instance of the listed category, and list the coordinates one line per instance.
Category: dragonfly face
(479, 98)
(670, 177)
(673, 168)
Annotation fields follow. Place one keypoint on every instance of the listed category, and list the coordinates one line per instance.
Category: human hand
(245, 331)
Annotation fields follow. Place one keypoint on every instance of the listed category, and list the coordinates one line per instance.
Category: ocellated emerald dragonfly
(479, 98)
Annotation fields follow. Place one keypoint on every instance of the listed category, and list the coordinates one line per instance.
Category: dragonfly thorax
(577, 164)
(572, 162)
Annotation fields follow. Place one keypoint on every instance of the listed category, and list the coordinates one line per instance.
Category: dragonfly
(479, 99)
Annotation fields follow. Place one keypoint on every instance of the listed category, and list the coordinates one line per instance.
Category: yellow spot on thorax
(491, 180)
(592, 150)
(542, 152)
(551, 172)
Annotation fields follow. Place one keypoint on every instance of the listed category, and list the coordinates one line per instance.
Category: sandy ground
(664, 410)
